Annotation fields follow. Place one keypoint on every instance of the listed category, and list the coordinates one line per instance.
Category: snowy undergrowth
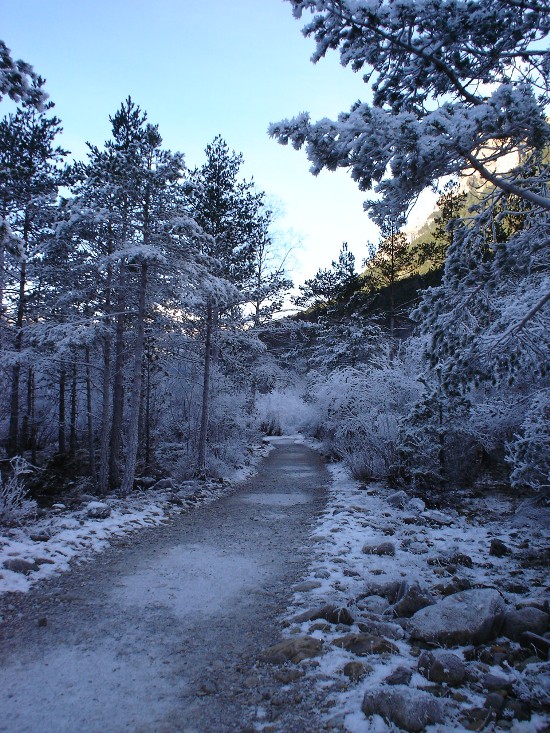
(49, 544)
(359, 515)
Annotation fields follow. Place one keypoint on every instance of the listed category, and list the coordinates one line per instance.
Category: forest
(140, 301)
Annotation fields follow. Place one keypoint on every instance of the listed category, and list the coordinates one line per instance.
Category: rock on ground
(468, 617)
(294, 650)
(408, 708)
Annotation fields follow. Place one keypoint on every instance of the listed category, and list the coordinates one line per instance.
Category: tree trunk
(32, 416)
(89, 415)
(104, 444)
(13, 436)
(104, 439)
(201, 462)
(61, 421)
(135, 399)
(147, 426)
(118, 386)
(72, 433)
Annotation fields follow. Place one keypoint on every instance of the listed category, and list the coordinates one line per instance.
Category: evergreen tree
(30, 179)
(231, 213)
(388, 263)
(331, 284)
(450, 207)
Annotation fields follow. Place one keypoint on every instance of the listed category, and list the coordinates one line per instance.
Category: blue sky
(199, 69)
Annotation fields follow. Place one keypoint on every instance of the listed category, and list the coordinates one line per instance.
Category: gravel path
(162, 632)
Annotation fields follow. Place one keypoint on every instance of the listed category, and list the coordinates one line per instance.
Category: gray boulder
(442, 666)
(470, 617)
(406, 707)
(517, 621)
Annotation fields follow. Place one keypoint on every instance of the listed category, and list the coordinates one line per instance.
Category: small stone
(365, 644)
(18, 565)
(493, 682)
(285, 675)
(40, 537)
(413, 599)
(499, 549)
(355, 671)
(437, 518)
(469, 617)
(398, 499)
(42, 622)
(164, 483)
(293, 650)
(306, 585)
(399, 676)
(332, 614)
(384, 548)
(494, 701)
(442, 667)
(97, 510)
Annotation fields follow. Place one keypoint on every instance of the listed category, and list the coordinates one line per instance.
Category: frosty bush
(14, 505)
(358, 413)
(529, 452)
(283, 411)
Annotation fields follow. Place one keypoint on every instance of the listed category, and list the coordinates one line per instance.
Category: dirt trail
(160, 633)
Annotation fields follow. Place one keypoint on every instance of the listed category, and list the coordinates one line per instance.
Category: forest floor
(176, 628)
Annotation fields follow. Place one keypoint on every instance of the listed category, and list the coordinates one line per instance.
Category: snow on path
(160, 636)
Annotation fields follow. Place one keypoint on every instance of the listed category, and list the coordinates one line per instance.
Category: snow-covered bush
(529, 452)
(14, 504)
(358, 412)
(283, 411)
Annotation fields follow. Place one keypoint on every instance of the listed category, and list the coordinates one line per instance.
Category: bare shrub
(14, 504)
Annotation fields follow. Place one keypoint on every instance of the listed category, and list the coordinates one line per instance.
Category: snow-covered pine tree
(332, 284)
(19, 81)
(387, 263)
(232, 213)
(30, 178)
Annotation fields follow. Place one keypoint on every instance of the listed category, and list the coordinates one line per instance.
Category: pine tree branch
(505, 185)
